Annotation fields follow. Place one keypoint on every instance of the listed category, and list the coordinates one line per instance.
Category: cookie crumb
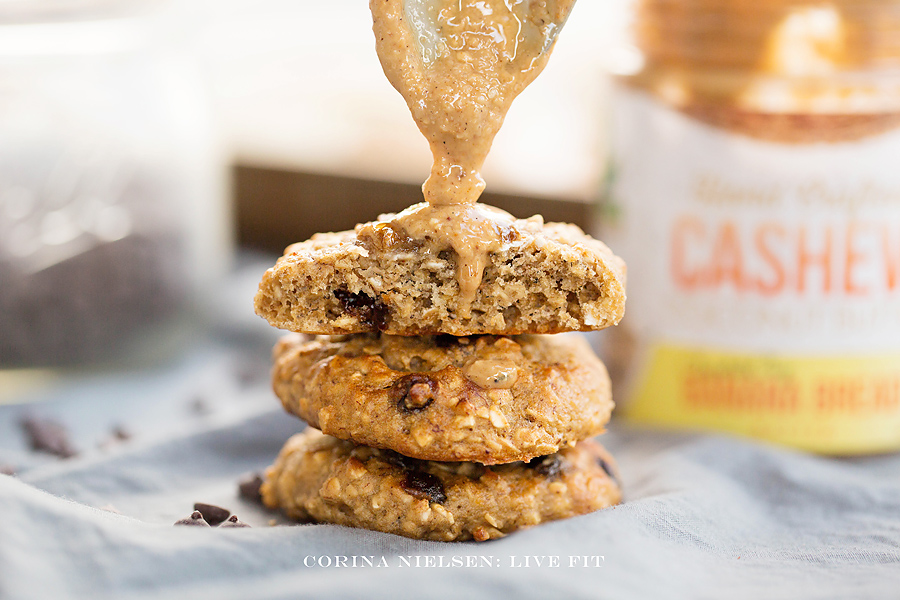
(195, 520)
(7, 470)
(481, 534)
(212, 514)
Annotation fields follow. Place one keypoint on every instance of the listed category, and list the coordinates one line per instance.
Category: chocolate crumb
(424, 485)
(212, 514)
(249, 486)
(233, 521)
(548, 466)
(121, 434)
(414, 392)
(199, 406)
(195, 520)
(47, 435)
(118, 435)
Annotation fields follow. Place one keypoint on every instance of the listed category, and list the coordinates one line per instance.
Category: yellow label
(845, 405)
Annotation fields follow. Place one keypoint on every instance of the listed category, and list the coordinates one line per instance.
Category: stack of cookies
(433, 420)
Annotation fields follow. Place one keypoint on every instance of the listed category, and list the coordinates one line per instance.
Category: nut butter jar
(754, 191)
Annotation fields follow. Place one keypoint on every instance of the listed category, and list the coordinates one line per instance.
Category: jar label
(763, 280)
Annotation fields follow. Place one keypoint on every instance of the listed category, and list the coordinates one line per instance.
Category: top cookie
(388, 276)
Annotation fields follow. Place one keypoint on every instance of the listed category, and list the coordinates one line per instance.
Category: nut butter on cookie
(541, 278)
(756, 199)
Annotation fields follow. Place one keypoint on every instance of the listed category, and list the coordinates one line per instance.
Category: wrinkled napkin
(704, 516)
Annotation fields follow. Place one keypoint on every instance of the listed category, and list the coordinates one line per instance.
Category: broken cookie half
(458, 270)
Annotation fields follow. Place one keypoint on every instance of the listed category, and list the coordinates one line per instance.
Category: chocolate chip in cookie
(548, 466)
(370, 311)
(607, 468)
(424, 485)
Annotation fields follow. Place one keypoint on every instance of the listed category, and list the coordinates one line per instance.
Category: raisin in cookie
(320, 478)
(487, 399)
(465, 274)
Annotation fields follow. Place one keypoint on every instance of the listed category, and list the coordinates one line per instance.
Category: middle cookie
(486, 399)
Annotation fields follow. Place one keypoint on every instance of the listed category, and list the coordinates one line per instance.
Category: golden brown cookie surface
(320, 478)
(487, 399)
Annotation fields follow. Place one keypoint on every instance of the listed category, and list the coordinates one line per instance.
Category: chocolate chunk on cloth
(195, 520)
(232, 522)
(248, 487)
(48, 435)
(212, 514)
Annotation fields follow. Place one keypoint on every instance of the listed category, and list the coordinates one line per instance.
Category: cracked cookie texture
(487, 399)
(546, 278)
(322, 479)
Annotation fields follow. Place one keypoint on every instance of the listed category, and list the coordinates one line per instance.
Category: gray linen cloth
(704, 516)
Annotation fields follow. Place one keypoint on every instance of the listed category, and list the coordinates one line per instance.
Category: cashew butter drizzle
(492, 374)
(459, 64)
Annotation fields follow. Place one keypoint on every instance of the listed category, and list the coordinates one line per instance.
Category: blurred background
(156, 155)
(145, 145)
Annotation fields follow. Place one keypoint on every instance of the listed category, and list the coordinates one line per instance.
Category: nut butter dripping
(459, 64)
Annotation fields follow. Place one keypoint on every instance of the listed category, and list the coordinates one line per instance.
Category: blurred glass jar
(112, 194)
(755, 195)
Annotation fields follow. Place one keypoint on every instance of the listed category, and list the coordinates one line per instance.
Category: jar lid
(773, 56)
(790, 37)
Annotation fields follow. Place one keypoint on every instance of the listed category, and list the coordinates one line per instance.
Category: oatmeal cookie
(320, 478)
(487, 399)
(537, 278)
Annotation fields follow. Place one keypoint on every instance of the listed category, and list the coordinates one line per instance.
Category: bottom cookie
(320, 478)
